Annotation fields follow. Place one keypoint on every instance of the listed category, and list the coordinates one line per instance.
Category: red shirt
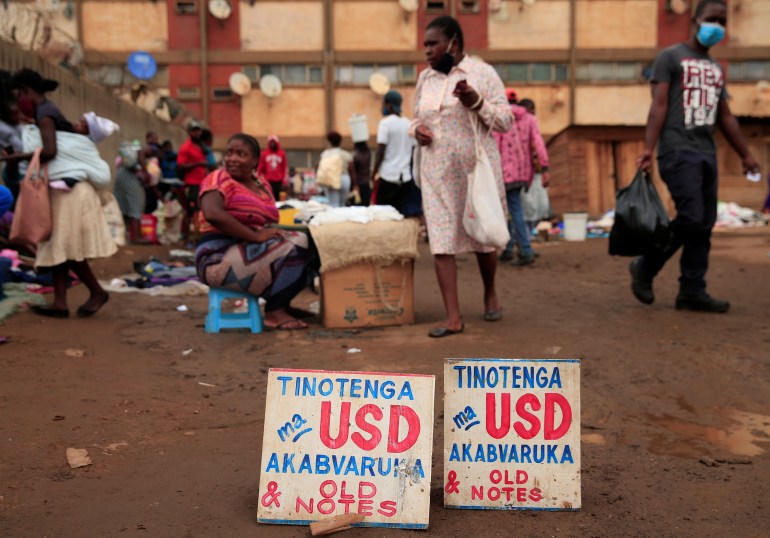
(273, 165)
(190, 152)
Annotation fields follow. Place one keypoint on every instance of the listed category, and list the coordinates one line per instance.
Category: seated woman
(237, 250)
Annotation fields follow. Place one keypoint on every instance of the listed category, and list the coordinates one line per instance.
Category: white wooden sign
(347, 443)
(512, 434)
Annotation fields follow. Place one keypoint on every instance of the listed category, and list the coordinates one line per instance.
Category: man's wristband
(477, 105)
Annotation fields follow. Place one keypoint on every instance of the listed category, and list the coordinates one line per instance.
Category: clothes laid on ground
(129, 192)
(275, 270)
(15, 296)
(80, 230)
(446, 163)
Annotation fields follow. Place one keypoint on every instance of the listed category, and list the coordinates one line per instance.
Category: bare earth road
(661, 390)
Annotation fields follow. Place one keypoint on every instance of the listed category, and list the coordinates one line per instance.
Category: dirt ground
(661, 389)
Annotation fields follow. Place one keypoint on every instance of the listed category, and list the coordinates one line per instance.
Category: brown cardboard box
(364, 295)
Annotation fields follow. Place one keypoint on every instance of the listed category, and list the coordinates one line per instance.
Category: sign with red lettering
(512, 434)
(347, 443)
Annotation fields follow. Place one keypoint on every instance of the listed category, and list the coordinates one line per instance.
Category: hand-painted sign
(512, 434)
(347, 443)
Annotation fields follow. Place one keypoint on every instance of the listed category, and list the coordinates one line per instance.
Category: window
(612, 72)
(291, 74)
(532, 73)
(188, 93)
(188, 7)
(358, 75)
(222, 94)
(749, 71)
(435, 5)
(302, 158)
(468, 6)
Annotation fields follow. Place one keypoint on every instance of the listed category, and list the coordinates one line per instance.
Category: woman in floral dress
(454, 88)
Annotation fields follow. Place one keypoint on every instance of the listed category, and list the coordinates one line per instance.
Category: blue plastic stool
(217, 320)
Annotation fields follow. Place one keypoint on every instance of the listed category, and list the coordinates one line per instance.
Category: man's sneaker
(641, 284)
(505, 256)
(521, 261)
(701, 302)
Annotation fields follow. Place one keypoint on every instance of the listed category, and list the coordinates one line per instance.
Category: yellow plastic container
(286, 216)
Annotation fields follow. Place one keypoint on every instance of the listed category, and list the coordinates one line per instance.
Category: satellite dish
(379, 83)
(240, 84)
(410, 6)
(680, 7)
(270, 85)
(142, 65)
(528, 3)
(220, 9)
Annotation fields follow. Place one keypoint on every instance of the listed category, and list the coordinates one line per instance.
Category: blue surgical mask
(385, 111)
(710, 33)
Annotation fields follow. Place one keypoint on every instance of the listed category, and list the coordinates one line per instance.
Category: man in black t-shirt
(688, 101)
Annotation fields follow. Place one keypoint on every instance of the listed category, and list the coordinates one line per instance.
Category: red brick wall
(672, 28)
(474, 25)
(225, 34)
(224, 116)
(183, 30)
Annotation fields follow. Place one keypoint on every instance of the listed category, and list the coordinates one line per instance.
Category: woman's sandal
(87, 313)
(440, 332)
(50, 312)
(288, 325)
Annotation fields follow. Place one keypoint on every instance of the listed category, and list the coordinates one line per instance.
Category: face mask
(385, 111)
(710, 33)
(447, 61)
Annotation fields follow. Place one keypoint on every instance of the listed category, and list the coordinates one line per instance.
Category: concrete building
(584, 63)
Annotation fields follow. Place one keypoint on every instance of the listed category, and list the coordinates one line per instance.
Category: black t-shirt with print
(696, 84)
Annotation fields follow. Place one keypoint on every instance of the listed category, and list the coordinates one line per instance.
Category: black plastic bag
(641, 222)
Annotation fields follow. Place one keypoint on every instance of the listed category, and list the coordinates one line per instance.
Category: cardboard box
(364, 295)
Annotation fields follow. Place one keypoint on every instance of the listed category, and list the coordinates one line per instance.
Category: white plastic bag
(534, 201)
(484, 217)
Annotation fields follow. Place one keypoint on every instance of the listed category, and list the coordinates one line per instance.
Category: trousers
(691, 178)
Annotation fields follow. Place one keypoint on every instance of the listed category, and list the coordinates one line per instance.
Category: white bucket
(359, 128)
(575, 226)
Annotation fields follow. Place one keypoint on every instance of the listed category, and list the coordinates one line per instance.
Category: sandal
(440, 332)
(288, 325)
(493, 315)
(50, 312)
(87, 313)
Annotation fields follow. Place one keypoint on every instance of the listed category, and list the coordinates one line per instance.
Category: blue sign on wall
(142, 65)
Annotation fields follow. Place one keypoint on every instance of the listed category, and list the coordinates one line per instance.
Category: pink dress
(447, 161)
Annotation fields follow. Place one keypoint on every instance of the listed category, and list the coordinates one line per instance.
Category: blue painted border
(518, 508)
(411, 526)
(514, 360)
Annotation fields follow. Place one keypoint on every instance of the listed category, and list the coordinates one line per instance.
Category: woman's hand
(266, 234)
(467, 95)
(423, 135)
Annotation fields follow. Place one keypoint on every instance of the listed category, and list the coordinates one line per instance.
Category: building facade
(585, 63)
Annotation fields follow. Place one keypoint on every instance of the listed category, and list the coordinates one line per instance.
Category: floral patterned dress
(447, 161)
